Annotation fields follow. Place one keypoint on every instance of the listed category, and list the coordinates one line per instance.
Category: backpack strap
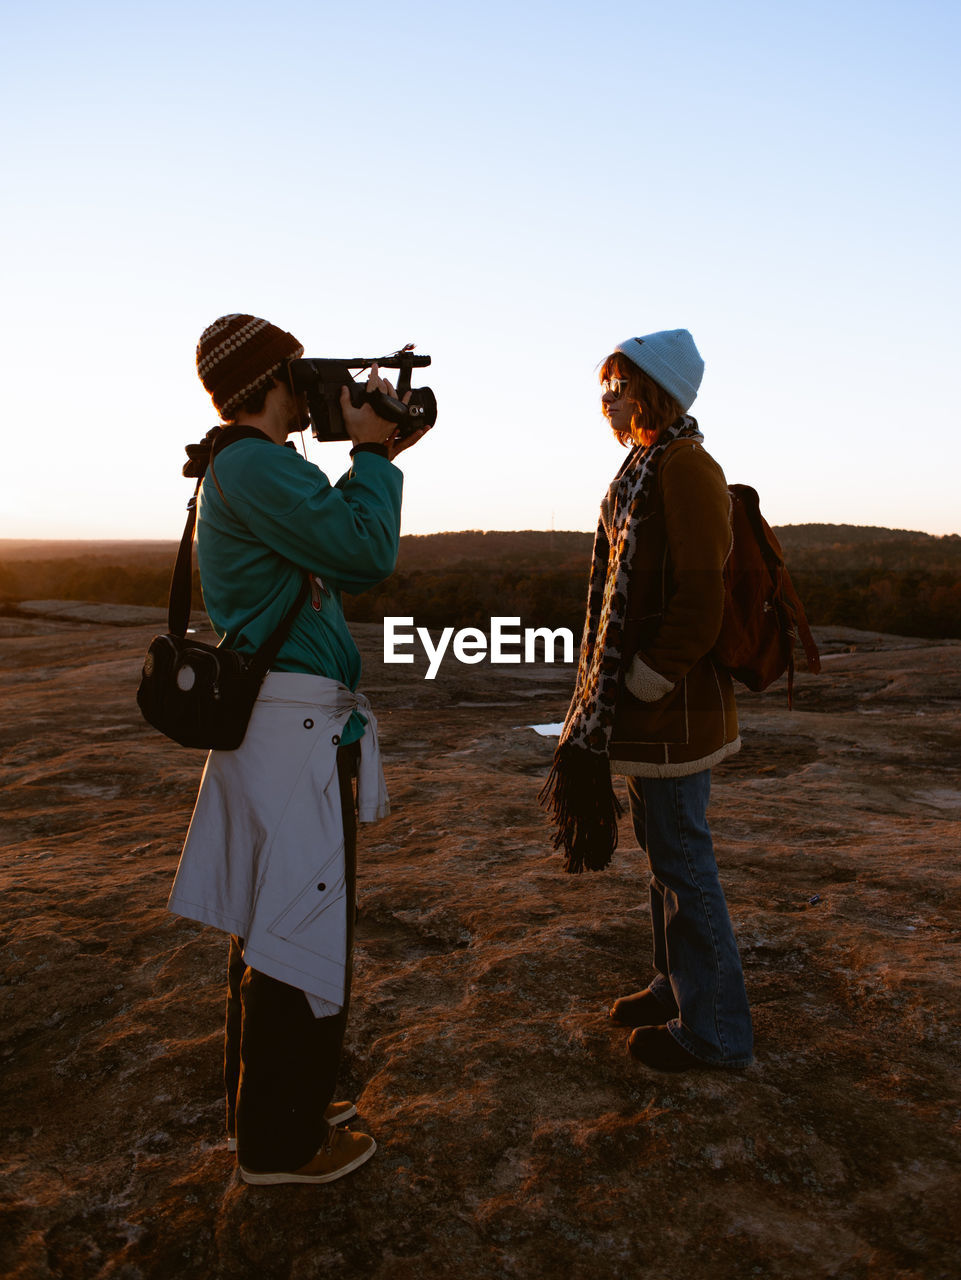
(808, 643)
(790, 680)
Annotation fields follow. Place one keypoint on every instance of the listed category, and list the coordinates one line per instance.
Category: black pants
(280, 1062)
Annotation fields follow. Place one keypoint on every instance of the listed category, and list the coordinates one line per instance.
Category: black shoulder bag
(202, 695)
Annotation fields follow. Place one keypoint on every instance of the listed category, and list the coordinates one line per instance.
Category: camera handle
(391, 408)
(403, 382)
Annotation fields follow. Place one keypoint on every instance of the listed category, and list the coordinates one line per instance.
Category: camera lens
(423, 407)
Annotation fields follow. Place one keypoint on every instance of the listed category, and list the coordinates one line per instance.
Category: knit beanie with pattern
(671, 359)
(237, 355)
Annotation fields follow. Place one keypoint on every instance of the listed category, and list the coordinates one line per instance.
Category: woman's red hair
(654, 409)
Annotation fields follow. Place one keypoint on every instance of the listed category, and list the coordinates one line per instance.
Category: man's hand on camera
(363, 425)
(396, 446)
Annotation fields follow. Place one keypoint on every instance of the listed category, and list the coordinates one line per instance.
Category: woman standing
(651, 704)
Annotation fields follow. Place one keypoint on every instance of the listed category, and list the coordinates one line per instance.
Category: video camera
(321, 381)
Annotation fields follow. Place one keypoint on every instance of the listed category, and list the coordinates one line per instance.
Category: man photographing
(270, 855)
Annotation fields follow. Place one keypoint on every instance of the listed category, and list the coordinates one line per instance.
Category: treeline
(504, 549)
(892, 580)
(102, 581)
(471, 595)
(904, 603)
(877, 579)
(466, 578)
(833, 548)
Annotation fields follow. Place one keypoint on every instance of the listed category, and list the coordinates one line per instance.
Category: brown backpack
(763, 615)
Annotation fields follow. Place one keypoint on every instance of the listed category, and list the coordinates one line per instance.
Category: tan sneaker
(336, 1113)
(340, 1112)
(341, 1153)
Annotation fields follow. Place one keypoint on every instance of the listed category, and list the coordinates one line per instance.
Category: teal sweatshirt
(284, 517)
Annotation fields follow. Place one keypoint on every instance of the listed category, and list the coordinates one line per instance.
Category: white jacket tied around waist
(264, 854)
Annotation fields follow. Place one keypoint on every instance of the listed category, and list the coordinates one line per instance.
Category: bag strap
(178, 603)
(181, 582)
(226, 437)
(265, 656)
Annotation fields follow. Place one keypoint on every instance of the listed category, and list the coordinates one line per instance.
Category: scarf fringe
(579, 796)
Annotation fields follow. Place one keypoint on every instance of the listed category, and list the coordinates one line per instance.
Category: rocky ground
(516, 1138)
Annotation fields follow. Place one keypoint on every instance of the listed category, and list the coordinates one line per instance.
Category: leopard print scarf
(578, 793)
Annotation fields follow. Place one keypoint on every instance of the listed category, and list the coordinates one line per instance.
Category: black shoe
(657, 1048)
(642, 1009)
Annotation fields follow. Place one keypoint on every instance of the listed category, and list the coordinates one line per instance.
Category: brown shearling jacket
(676, 713)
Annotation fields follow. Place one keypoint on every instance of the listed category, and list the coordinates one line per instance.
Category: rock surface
(516, 1137)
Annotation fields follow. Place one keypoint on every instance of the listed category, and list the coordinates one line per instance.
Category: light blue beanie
(671, 359)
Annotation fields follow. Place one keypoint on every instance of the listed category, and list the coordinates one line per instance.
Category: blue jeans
(699, 974)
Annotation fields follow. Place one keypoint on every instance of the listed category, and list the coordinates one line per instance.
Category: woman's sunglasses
(614, 387)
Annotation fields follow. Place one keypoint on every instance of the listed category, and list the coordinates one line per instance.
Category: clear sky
(516, 187)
